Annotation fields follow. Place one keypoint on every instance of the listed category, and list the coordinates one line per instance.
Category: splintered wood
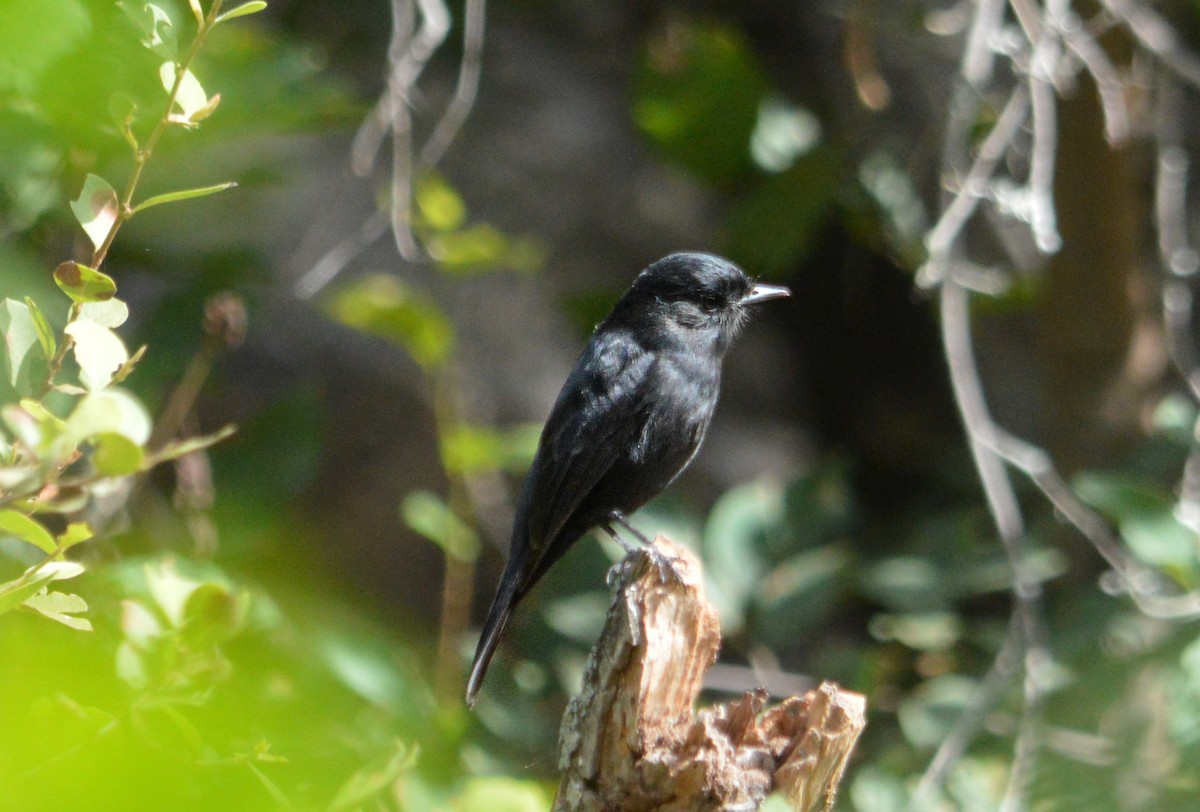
(630, 740)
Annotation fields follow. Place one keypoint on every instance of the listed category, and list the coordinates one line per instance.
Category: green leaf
(20, 526)
(158, 34)
(696, 95)
(475, 449)
(110, 313)
(799, 594)
(777, 223)
(190, 735)
(877, 790)
(170, 590)
(61, 570)
(921, 631)
(45, 332)
(907, 583)
(15, 592)
(1160, 540)
(179, 448)
(61, 607)
(734, 545)
(214, 613)
(84, 284)
(502, 794)
(782, 133)
(185, 194)
(365, 670)
(190, 98)
(98, 351)
(116, 455)
(484, 249)
(22, 360)
(382, 305)
(76, 533)
(244, 10)
(32, 424)
(440, 206)
(1145, 516)
(96, 208)
(128, 367)
(427, 514)
(579, 617)
(929, 712)
(103, 412)
(374, 779)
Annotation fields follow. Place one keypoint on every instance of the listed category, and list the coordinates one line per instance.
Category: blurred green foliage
(134, 675)
(191, 687)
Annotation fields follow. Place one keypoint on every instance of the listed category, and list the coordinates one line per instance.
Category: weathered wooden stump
(631, 741)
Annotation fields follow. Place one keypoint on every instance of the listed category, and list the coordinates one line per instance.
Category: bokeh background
(336, 552)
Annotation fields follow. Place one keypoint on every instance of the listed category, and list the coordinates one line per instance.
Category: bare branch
(1042, 71)
(979, 58)
(419, 27)
(1157, 36)
(1109, 87)
(1046, 49)
(1027, 622)
(337, 258)
(971, 190)
(1006, 665)
(467, 88)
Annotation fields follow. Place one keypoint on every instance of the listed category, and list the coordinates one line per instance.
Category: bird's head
(700, 293)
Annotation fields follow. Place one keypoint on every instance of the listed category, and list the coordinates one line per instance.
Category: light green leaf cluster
(186, 616)
(385, 306)
(57, 454)
(428, 515)
(462, 249)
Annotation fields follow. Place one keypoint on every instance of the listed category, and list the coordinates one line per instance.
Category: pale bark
(631, 741)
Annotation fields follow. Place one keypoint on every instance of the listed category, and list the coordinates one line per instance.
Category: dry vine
(419, 28)
(1046, 46)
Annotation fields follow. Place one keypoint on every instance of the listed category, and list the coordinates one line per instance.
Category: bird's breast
(684, 396)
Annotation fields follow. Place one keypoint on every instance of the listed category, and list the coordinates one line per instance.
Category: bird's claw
(663, 564)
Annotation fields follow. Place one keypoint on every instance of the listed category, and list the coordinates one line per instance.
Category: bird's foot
(663, 564)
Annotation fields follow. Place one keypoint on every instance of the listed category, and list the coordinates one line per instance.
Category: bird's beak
(761, 293)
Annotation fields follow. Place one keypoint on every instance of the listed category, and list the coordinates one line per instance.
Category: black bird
(628, 420)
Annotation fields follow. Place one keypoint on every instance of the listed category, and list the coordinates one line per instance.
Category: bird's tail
(497, 618)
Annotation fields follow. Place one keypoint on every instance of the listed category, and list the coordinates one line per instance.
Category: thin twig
(1042, 69)
(1109, 87)
(466, 89)
(333, 261)
(1181, 262)
(1158, 37)
(1049, 48)
(141, 157)
(1145, 586)
(979, 57)
(970, 721)
(970, 191)
(1006, 513)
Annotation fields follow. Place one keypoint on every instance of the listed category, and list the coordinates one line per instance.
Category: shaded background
(834, 498)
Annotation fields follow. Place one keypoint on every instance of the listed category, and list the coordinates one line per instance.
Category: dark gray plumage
(628, 420)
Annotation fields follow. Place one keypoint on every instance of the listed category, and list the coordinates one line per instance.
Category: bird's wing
(600, 411)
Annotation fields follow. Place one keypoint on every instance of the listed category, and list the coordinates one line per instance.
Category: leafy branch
(53, 464)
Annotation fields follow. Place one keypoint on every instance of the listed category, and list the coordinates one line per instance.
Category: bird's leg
(661, 562)
(621, 519)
